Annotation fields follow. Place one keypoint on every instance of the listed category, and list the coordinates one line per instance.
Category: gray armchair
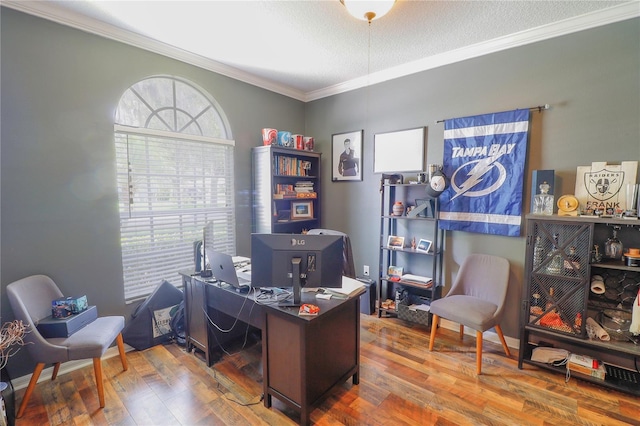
(30, 299)
(476, 300)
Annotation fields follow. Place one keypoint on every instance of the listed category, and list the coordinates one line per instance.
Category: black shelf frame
(389, 225)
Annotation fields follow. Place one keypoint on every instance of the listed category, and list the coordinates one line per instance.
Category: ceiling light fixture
(368, 10)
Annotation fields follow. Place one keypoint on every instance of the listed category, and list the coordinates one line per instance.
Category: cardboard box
(65, 327)
(67, 306)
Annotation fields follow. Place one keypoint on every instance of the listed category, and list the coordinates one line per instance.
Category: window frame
(138, 151)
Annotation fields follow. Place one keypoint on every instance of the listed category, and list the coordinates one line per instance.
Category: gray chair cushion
(92, 340)
(466, 310)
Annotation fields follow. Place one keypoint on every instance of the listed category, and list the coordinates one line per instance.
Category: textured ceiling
(308, 49)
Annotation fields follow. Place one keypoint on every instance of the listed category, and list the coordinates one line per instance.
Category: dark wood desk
(304, 358)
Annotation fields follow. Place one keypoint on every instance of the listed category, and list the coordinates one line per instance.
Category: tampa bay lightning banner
(484, 159)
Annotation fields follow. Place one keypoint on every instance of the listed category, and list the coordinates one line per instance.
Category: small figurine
(413, 243)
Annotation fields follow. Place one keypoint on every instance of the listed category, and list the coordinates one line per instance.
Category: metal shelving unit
(413, 261)
(558, 317)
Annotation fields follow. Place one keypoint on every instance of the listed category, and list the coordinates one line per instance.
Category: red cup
(308, 143)
(298, 141)
(269, 136)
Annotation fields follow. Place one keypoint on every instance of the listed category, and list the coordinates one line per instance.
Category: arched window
(175, 175)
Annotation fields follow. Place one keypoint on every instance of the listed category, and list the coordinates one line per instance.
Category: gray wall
(591, 80)
(60, 88)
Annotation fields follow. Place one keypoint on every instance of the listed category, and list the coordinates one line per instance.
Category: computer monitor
(296, 261)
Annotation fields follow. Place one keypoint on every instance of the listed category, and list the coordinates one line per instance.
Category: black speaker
(8, 397)
(197, 255)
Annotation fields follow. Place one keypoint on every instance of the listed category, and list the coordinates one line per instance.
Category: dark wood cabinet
(304, 358)
(196, 330)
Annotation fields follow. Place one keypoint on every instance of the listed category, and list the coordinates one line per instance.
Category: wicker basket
(417, 316)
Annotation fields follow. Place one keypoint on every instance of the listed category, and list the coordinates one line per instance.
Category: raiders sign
(601, 185)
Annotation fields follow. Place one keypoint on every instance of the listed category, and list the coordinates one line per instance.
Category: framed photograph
(401, 151)
(395, 242)
(346, 156)
(424, 246)
(302, 210)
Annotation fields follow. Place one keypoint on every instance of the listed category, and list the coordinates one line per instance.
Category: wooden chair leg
(123, 357)
(54, 374)
(434, 327)
(504, 342)
(30, 388)
(478, 352)
(461, 331)
(97, 368)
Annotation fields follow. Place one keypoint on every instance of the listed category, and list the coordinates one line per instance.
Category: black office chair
(348, 268)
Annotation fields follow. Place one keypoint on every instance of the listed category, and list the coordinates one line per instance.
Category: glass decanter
(613, 247)
(543, 202)
(538, 252)
(556, 263)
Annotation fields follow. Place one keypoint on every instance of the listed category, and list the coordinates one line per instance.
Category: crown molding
(587, 21)
(595, 19)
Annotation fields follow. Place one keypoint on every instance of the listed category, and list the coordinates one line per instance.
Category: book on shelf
(586, 365)
(290, 166)
(418, 279)
(598, 373)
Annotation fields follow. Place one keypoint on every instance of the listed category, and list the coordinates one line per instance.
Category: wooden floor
(401, 383)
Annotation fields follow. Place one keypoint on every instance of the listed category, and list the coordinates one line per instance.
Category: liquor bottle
(556, 263)
(572, 264)
(543, 202)
(549, 306)
(538, 252)
(613, 247)
(596, 256)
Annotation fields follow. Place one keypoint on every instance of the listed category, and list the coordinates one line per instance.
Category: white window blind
(170, 185)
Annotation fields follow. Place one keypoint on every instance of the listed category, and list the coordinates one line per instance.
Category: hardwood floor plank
(401, 383)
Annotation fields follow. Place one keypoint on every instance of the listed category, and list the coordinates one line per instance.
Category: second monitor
(296, 261)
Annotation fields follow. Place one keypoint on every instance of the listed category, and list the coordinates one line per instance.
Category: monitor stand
(296, 290)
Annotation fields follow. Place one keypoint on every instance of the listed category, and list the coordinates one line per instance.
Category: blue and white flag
(484, 159)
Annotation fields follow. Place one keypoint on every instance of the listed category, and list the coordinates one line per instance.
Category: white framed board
(400, 151)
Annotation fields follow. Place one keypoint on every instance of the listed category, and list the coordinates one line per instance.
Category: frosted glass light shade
(368, 10)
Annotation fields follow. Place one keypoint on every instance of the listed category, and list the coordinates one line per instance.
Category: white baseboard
(67, 367)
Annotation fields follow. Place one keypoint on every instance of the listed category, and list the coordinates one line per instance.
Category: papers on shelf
(425, 308)
(240, 261)
(416, 279)
(349, 288)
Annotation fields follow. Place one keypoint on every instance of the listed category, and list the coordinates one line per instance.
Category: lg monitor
(296, 261)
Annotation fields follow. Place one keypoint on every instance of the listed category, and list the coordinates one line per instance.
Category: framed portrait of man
(346, 156)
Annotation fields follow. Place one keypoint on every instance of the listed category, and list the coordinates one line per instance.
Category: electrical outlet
(366, 270)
